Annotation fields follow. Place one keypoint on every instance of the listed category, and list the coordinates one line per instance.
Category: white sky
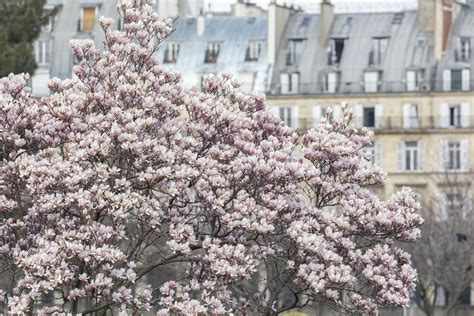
(339, 5)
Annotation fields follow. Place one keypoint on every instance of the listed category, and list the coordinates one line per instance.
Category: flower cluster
(124, 191)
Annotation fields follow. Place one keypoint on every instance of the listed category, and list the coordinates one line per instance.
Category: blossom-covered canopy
(123, 190)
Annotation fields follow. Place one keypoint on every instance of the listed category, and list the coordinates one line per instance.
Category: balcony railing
(401, 124)
(358, 87)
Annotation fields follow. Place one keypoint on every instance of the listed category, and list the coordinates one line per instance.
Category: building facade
(406, 75)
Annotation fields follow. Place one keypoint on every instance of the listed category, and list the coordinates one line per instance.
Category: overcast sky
(340, 5)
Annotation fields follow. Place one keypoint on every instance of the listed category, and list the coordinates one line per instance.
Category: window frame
(212, 52)
(454, 155)
(254, 50)
(411, 156)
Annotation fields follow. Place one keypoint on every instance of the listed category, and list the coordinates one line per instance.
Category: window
(171, 53)
(325, 111)
(463, 52)
(288, 114)
(420, 42)
(289, 82)
(411, 156)
(42, 52)
(415, 79)
(369, 116)
(295, 47)
(454, 155)
(336, 49)
(397, 18)
(285, 115)
(87, 21)
(331, 82)
(371, 81)
(456, 79)
(212, 52)
(375, 151)
(410, 116)
(253, 51)
(455, 115)
(379, 47)
(49, 26)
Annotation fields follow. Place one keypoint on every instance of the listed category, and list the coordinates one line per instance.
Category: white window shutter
(358, 115)
(444, 155)
(411, 80)
(466, 80)
(378, 157)
(294, 116)
(316, 115)
(444, 113)
(284, 83)
(295, 82)
(465, 115)
(401, 156)
(406, 115)
(332, 82)
(337, 112)
(447, 80)
(421, 155)
(371, 81)
(465, 155)
(379, 115)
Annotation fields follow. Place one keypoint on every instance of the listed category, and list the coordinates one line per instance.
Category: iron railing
(358, 87)
(397, 123)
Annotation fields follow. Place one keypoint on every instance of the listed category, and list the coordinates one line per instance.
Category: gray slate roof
(403, 51)
(233, 34)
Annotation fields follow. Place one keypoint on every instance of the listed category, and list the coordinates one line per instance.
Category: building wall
(392, 131)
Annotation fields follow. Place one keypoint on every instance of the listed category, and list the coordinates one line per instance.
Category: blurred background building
(406, 72)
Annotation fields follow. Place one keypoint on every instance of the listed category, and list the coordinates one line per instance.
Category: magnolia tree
(124, 191)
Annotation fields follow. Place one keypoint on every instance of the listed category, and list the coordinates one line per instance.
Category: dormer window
(212, 52)
(171, 53)
(371, 81)
(379, 47)
(253, 51)
(295, 47)
(42, 52)
(457, 79)
(331, 82)
(49, 26)
(415, 79)
(463, 51)
(335, 49)
(87, 21)
(289, 83)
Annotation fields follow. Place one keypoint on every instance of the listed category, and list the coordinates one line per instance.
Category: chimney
(326, 18)
(277, 17)
(201, 24)
(437, 17)
(182, 8)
